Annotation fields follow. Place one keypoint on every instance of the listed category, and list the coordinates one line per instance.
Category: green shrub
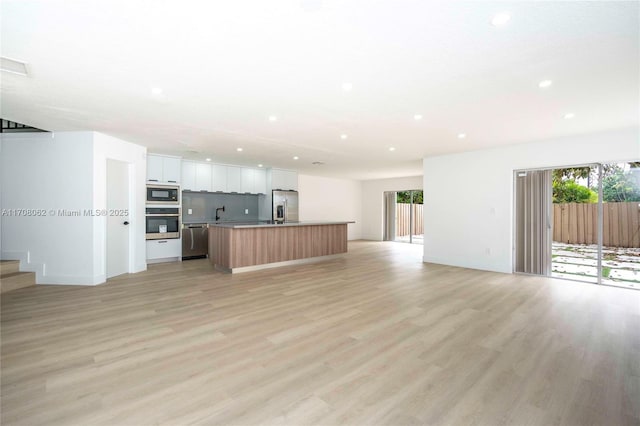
(568, 191)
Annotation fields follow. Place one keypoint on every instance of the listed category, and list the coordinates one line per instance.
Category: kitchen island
(240, 247)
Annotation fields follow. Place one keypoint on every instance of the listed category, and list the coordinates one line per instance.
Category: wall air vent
(13, 66)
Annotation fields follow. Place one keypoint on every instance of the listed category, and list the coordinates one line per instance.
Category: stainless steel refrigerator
(285, 206)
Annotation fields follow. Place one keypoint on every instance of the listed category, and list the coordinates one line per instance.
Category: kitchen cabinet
(161, 168)
(284, 179)
(189, 176)
(164, 250)
(203, 177)
(171, 167)
(196, 176)
(219, 178)
(154, 168)
(247, 180)
(234, 179)
(260, 181)
(254, 181)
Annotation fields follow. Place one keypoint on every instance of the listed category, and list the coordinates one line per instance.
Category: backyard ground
(620, 266)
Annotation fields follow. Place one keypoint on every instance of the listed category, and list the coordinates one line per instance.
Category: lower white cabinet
(158, 250)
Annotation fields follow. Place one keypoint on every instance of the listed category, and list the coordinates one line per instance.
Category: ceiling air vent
(318, 163)
(13, 66)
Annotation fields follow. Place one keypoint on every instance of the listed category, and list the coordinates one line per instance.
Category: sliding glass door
(580, 223)
(403, 220)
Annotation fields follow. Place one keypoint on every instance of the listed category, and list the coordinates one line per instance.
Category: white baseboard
(71, 280)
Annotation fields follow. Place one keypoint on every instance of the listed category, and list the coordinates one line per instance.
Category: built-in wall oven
(163, 223)
(163, 194)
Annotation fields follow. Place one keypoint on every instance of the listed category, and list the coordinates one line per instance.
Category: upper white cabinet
(254, 181)
(284, 179)
(189, 176)
(161, 168)
(234, 179)
(196, 176)
(203, 177)
(171, 169)
(219, 178)
(260, 182)
(248, 180)
(154, 168)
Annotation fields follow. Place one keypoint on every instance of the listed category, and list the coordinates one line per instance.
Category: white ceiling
(225, 66)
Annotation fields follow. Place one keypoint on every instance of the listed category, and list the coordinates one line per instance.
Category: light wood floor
(375, 337)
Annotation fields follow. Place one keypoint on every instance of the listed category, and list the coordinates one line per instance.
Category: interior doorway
(580, 223)
(404, 216)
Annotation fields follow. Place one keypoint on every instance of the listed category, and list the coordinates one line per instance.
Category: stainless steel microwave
(163, 194)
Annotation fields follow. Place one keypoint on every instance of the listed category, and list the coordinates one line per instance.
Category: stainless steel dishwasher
(195, 240)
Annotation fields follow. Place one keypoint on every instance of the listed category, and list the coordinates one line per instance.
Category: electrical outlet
(246, 211)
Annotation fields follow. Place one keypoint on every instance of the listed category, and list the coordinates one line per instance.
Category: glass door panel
(417, 217)
(621, 224)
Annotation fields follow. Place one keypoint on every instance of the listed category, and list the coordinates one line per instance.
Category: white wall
(373, 202)
(468, 197)
(65, 171)
(49, 172)
(324, 198)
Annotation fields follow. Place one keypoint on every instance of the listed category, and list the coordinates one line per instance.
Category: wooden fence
(403, 219)
(576, 223)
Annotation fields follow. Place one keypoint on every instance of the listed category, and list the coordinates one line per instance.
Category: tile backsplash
(203, 207)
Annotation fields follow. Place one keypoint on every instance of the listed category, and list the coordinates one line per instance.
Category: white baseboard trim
(464, 264)
(72, 280)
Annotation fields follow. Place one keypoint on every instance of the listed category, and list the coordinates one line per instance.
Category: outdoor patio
(621, 266)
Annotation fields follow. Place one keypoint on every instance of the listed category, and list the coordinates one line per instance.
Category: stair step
(9, 266)
(16, 280)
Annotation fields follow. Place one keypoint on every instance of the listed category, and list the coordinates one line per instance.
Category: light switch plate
(189, 211)
(246, 211)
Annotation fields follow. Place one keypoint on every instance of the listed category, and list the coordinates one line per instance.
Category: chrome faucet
(218, 214)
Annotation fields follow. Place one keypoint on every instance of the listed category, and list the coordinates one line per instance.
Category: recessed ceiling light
(156, 91)
(208, 159)
(417, 117)
(259, 165)
(392, 148)
(500, 19)
(343, 136)
(239, 149)
(273, 118)
(569, 116)
(296, 157)
(544, 84)
(462, 135)
(347, 87)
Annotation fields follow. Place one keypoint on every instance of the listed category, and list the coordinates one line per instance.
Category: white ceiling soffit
(367, 88)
